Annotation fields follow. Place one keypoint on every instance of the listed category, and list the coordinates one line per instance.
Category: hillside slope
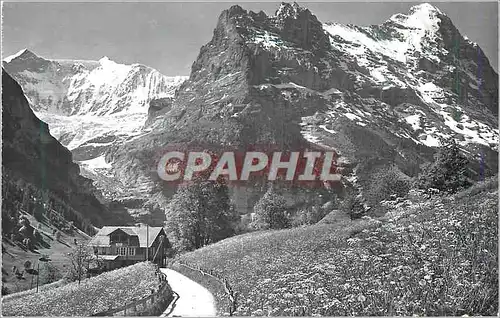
(41, 183)
(110, 290)
(425, 257)
(15, 254)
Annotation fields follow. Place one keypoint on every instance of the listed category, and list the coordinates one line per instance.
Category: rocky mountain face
(377, 95)
(31, 154)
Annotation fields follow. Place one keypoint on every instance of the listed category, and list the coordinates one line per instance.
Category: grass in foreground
(437, 257)
(109, 290)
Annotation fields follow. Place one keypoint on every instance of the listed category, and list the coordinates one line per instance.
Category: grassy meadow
(428, 257)
(97, 294)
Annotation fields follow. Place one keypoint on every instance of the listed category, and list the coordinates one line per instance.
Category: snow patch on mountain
(13, 56)
(96, 163)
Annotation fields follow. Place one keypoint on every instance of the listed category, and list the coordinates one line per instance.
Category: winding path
(193, 299)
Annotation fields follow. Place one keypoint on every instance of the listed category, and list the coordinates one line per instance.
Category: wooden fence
(231, 294)
(143, 306)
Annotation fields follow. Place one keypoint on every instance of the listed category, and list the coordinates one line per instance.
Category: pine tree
(449, 172)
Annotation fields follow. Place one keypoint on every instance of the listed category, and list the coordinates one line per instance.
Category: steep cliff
(31, 154)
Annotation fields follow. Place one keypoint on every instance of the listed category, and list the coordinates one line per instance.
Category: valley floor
(193, 299)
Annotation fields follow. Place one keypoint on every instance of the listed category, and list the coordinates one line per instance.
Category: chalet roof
(102, 237)
(127, 230)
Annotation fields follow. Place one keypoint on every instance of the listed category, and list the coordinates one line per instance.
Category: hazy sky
(168, 36)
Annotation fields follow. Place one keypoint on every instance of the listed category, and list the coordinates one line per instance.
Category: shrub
(26, 231)
(28, 243)
(386, 183)
(37, 236)
(81, 258)
(271, 212)
(309, 215)
(23, 221)
(49, 273)
(38, 212)
(449, 172)
(353, 206)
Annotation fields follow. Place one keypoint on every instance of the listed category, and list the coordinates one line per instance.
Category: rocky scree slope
(378, 95)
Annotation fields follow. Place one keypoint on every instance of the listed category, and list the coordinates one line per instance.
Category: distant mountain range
(86, 102)
(90, 106)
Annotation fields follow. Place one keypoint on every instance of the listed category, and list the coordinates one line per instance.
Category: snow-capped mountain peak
(9, 58)
(89, 104)
(423, 16)
(104, 60)
(424, 7)
(398, 38)
(71, 87)
(23, 54)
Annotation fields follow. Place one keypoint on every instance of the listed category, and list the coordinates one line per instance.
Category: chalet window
(131, 251)
(122, 251)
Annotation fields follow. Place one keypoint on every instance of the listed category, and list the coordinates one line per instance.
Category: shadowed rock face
(462, 49)
(30, 153)
(300, 26)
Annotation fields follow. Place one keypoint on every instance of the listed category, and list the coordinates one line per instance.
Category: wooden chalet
(119, 246)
